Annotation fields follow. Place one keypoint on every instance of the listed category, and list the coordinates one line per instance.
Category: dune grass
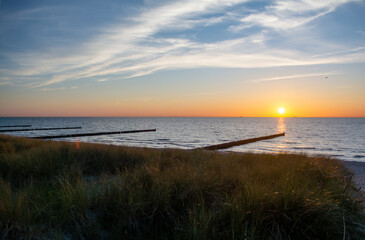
(59, 190)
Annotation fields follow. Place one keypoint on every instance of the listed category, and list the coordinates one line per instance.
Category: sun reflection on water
(280, 128)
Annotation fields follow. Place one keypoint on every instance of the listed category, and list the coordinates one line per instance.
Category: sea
(342, 138)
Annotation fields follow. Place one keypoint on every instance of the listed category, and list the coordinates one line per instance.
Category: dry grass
(61, 191)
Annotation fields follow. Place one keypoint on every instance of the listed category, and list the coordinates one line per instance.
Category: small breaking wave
(304, 148)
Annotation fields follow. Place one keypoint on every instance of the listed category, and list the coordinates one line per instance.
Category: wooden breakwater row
(37, 129)
(241, 142)
(211, 147)
(94, 134)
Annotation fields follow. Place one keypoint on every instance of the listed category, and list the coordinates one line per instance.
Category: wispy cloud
(343, 52)
(102, 80)
(53, 89)
(362, 33)
(135, 47)
(295, 76)
(5, 83)
(58, 88)
(289, 14)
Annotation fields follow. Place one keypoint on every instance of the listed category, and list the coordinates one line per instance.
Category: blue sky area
(95, 48)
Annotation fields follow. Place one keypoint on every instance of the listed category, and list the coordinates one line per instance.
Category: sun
(281, 110)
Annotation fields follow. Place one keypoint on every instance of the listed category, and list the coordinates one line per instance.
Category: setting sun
(281, 110)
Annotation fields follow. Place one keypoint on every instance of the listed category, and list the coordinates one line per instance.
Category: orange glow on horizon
(260, 104)
(190, 109)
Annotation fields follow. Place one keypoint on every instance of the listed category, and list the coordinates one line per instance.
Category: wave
(304, 148)
(163, 139)
(291, 142)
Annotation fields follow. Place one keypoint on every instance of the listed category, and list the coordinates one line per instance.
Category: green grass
(55, 190)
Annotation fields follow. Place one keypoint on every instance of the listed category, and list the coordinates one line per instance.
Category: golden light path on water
(281, 127)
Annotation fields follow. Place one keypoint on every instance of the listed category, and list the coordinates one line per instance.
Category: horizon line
(181, 117)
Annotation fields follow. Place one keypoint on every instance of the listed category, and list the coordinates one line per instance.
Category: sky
(227, 58)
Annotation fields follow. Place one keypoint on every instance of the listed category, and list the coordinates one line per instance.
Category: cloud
(135, 47)
(103, 80)
(362, 33)
(295, 76)
(5, 83)
(283, 15)
(347, 51)
(53, 89)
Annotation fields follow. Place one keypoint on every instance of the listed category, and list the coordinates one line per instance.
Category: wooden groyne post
(94, 134)
(241, 142)
(37, 129)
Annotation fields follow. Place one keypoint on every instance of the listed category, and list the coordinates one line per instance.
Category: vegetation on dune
(62, 190)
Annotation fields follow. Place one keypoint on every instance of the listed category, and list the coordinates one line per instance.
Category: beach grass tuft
(61, 190)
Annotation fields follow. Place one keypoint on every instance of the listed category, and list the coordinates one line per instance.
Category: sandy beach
(358, 168)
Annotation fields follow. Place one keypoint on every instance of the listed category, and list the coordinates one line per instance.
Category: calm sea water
(343, 138)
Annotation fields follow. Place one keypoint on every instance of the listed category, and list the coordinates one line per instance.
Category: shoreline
(194, 133)
(358, 169)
